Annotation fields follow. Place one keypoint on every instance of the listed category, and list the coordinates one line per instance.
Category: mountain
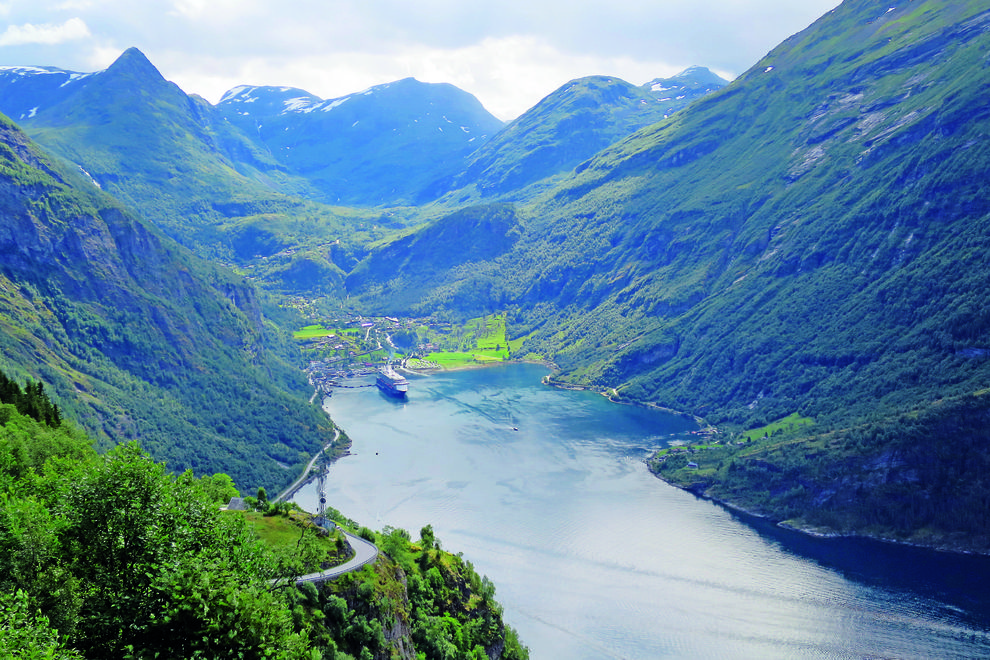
(138, 339)
(142, 139)
(811, 239)
(27, 89)
(203, 172)
(453, 246)
(375, 147)
(569, 126)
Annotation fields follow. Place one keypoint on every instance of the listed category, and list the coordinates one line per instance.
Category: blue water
(593, 557)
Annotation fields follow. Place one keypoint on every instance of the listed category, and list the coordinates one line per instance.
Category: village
(354, 346)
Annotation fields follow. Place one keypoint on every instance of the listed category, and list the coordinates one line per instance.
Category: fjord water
(593, 557)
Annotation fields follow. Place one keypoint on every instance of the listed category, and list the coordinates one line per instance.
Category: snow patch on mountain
(27, 71)
(30, 70)
(75, 77)
(335, 103)
(235, 92)
(299, 104)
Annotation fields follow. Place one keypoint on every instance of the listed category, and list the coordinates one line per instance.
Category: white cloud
(47, 34)
(508, 53)
(75, 5)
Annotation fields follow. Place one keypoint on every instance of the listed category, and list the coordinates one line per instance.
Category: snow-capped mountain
(259, 102)
(379, 146)
(376, 146)
(395, 143)
(677, 91)
(25, 90)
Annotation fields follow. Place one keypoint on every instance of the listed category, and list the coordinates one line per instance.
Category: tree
(27, 635)
(166, 572)
(426, 538)
(32, 561)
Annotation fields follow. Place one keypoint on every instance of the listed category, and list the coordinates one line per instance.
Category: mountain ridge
(569, 126)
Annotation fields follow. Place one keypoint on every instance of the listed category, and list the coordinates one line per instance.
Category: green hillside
(138, 339)
(175, 159)
(153, 147)
(458, 246)
(569, 126)
(810, 239)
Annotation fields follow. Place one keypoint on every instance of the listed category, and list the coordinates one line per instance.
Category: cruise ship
(390, 382)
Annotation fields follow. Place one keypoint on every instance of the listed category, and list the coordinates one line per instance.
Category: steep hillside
(455, 246)
(379, 146)
(135, 337)
(569, 126)
(812, 238)
(170, 156)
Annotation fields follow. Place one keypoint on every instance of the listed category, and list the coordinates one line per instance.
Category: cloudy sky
(509, 53)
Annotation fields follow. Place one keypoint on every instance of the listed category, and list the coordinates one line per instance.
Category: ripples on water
(594, 558)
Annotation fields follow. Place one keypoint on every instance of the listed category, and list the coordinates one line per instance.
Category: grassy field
(456, 360)
(787, 423)
(283, 533)
(479, 341)
(312, 332)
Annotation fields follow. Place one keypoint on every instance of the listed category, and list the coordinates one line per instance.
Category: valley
(806, 240)
(795, 260)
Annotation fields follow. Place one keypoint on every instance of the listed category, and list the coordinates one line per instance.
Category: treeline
(31, 401)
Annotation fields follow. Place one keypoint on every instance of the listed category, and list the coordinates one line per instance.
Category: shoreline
(478, 365)
(818, 533)
(610, 393)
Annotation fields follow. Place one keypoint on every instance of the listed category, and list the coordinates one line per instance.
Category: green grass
(312, 332)
(481, 340)
(450, 360)
(283, 533)
(788, 423)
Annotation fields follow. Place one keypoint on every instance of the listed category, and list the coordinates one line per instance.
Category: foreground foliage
(114, 556)
(418, 602)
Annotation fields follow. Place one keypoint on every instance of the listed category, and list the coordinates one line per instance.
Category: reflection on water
(545, 491)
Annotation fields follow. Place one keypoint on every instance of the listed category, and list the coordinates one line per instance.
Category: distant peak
(693, 71)
(701, 74)
(235, 92)
(133, 61)
(133, 56)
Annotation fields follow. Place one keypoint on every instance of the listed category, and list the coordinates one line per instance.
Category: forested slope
(569, 126)
(137, 338)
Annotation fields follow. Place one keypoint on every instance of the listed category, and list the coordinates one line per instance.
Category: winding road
(364, 553)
